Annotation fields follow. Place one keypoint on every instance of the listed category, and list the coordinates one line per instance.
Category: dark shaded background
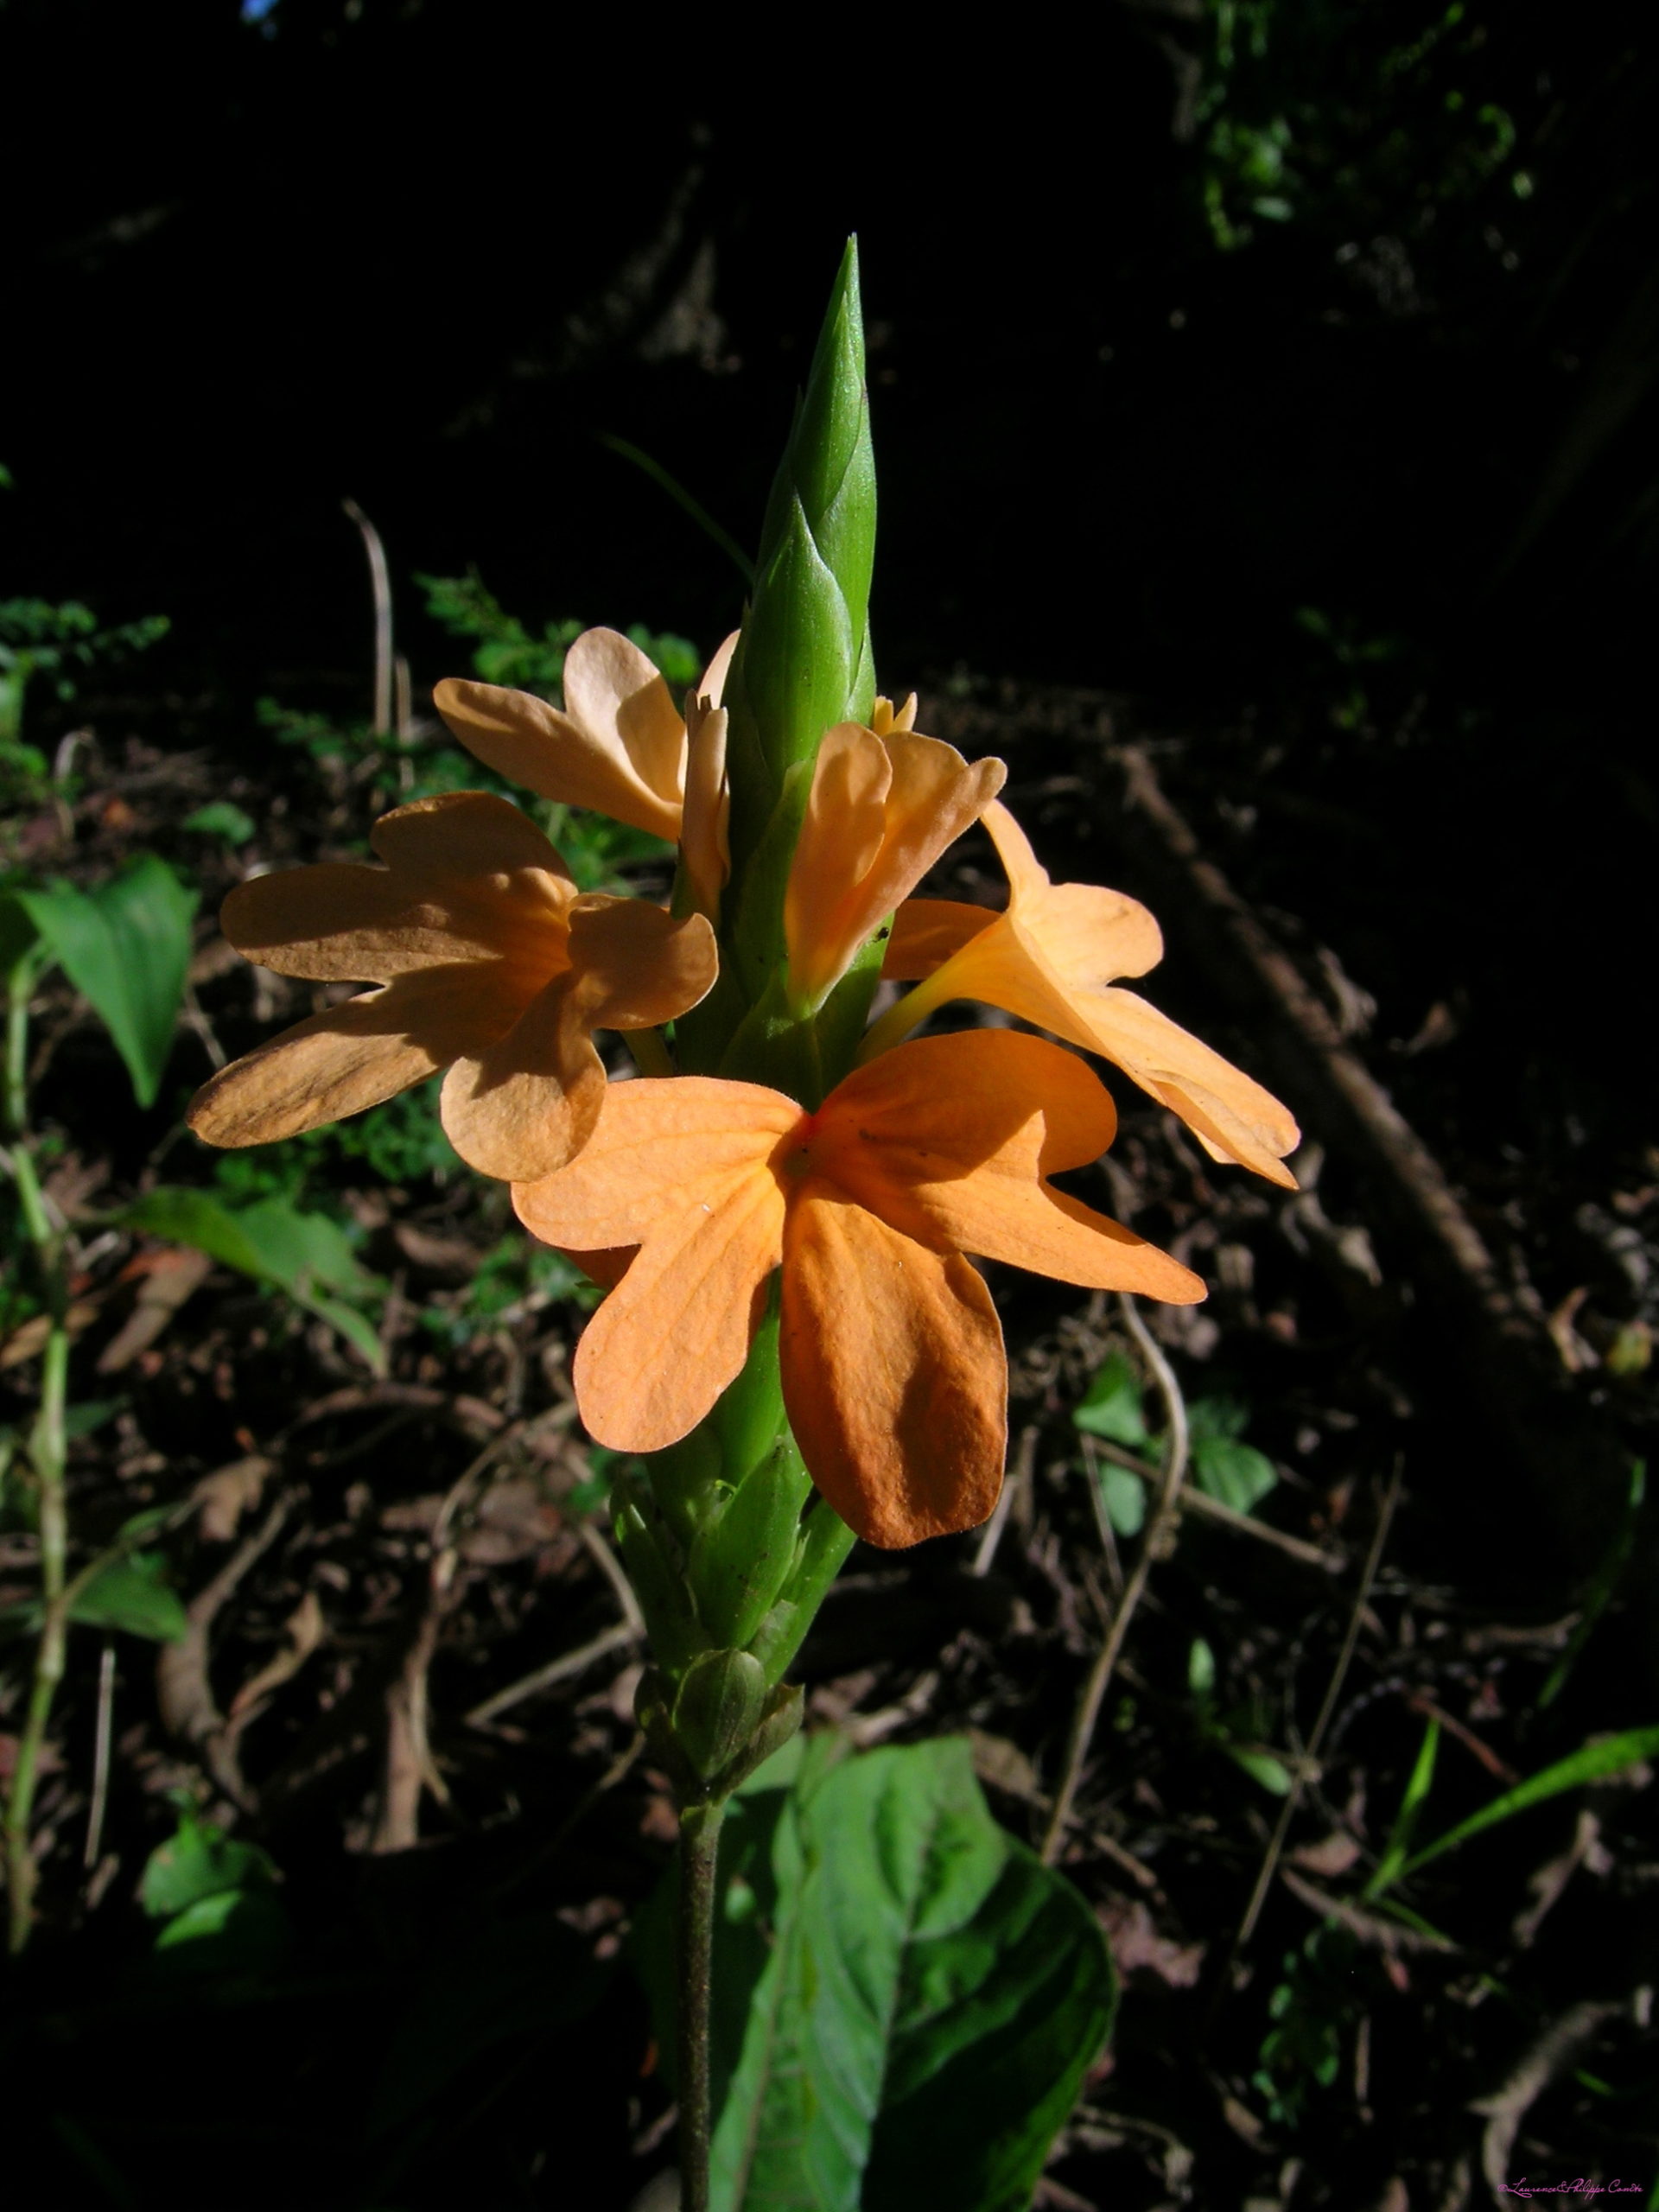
(424, 253)
(1285, 370)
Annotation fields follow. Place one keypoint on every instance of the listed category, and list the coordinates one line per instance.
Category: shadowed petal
(880, 811)
(637, 966)
(332, 1065)
(705, 842)
(676, 1330)
(457, 839)
(894, 1376)
(942, 1108)
(527, 1103)
(469, 875)
(620, 749)
(926, 931)
(658, 1147)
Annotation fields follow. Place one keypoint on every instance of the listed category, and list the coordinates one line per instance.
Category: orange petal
(527, 1103)
(926, 931)
(705, 842)
(454, 839)
(341, 922)
(337, 1063)
(894, 1376)
(880, 811)
(620, 749)
(470, 877)
(606, 1269)
(637, 966)
(1232, 1116)
(938, 1108)
(676, 1330)
(660, 1146)
(711, 684)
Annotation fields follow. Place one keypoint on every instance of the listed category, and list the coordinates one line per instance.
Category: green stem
(47, 1452)
(699, 1853)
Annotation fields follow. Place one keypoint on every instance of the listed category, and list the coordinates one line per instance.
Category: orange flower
(894, 1377)
(1052, 959)
(884, 804)
(489, 963)
(619, 746)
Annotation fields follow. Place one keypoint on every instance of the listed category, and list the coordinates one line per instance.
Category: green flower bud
(718, 1708)
(648, 1556)
(738, 1565)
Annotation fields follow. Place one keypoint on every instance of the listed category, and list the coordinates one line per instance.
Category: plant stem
(48, 1454)
(699, 1848)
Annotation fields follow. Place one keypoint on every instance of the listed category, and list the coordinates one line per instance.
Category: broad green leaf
(199, 1861)
(931, 1998)
(306, 1255)
(1592, 1762)
(234, 1932)
(131, 1594)
(1111, 1405)
(125, 947)
(1237, 1474)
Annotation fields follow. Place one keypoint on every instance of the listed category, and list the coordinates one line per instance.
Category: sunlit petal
(894, 1376)
(658, 1147)
(880, 811)
(636, 966)
(676, 1330)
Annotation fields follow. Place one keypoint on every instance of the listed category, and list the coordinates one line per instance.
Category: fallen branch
(1505, 1356)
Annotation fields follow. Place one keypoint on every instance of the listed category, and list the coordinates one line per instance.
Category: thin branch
(380, 578)
(101, 1753)
(1339, 1675)
(1017, 1474)
(1155, 1540)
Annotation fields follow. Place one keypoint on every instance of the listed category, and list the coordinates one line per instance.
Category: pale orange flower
(490, 963)
(894, 1377)
(1052, 958)
(885, 803)
(620, 745)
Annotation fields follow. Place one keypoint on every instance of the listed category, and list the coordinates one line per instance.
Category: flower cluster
(699, 1197)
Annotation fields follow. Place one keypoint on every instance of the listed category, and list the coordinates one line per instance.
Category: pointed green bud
(647, 1553)
(737, 1567)
(825, 1541)
(804, 660)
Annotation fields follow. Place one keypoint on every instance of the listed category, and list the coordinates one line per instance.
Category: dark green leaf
(1111, 1405)
(306, 1255)
(199, 1861)
(125, 947)
(924, 1968)
(1237, 1474)
(131, 1594)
